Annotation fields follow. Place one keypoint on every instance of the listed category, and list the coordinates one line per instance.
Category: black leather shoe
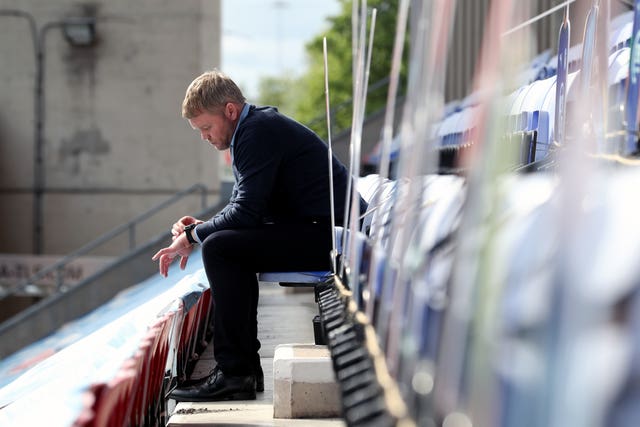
(218, 387)
(259, 379)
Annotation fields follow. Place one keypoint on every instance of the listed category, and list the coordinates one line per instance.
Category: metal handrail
(130, 226)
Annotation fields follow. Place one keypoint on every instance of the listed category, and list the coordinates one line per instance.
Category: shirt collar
(243, 114)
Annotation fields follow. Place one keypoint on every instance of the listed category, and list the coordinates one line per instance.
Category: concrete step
(304, 385)
(283, 317)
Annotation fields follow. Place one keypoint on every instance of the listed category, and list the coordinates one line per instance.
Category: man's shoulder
(257, 130)
(257, 122)
(258, 112)
(267, 119)
(265, 122)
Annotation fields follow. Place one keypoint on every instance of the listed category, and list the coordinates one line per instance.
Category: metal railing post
(59, 277)
(203, 195)
(132, 236)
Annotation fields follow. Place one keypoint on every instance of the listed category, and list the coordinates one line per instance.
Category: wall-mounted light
(79, 32)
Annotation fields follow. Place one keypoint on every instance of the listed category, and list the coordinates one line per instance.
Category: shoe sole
(233, 396)
(188, 383)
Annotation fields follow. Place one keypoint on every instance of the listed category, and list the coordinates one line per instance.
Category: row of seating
(531, 106)
(355, 356)
(473, 303)
(356, 314)
(485, 306)
(116, 365)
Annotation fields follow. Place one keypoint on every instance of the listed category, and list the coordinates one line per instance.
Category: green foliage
(307, 101)
(279, 92)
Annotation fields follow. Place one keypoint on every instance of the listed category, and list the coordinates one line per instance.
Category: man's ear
(231, 111)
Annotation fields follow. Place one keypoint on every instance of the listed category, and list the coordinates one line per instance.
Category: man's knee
(228, 246)
(217, 244)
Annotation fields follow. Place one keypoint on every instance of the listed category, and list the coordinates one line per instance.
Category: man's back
(282, 171)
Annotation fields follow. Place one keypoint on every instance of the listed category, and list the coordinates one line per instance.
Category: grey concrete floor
(284, 317)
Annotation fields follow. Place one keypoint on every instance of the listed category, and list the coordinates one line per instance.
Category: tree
(280, 92)
(310, 108)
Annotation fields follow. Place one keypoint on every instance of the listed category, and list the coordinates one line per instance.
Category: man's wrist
(188, 230)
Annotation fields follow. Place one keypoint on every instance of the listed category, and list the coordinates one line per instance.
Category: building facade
(100, 139)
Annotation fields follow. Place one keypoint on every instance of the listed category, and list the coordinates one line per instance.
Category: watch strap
(187, 231)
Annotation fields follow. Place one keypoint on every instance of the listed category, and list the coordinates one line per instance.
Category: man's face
(216, 128)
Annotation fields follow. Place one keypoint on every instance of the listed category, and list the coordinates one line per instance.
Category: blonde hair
(209, 92)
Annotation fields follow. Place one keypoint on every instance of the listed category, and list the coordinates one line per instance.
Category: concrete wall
(114, 141)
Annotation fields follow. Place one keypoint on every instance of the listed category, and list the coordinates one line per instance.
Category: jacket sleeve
(256, 161)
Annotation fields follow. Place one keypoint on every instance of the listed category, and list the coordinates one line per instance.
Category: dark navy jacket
(281, 174)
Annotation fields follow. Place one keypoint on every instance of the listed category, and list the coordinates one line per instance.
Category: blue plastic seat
(367, 187)
(296, 278)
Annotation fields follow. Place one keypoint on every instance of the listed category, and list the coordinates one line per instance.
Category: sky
(267, 37)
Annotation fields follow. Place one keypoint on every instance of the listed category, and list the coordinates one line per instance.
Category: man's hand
(178, 227)
(180, 247)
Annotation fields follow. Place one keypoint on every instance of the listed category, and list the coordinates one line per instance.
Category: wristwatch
(187, 231)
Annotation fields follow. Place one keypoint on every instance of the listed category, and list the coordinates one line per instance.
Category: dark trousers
(231, 260)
